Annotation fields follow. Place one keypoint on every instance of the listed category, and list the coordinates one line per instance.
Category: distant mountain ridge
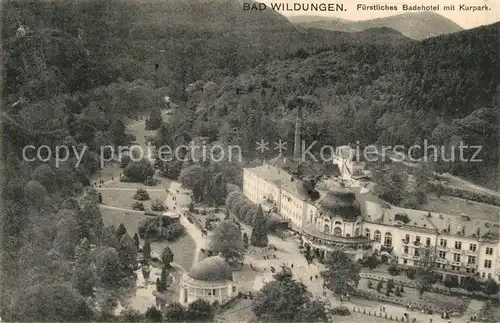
(417, 26)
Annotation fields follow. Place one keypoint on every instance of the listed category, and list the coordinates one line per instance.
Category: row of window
(377, 236)
(337, 231)
(417, 240)
(458, 245)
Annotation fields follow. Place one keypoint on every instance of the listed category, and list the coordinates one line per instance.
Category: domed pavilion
(211, 280)
(337, 225)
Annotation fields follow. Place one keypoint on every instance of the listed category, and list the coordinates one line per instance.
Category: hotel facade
(339, 219)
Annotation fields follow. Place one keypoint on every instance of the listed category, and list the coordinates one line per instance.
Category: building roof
(211, 269)
(280, 178)
(340, 202)
(457, 206)
(454, 225)
(466, 226)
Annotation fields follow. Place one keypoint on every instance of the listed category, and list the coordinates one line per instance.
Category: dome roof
(211, 269)
(341, 202)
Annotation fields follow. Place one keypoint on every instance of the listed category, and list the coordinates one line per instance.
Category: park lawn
(411, 295)
(162, 184)
(129, 219)
(182, 248)
(110, 172)
(125, 198)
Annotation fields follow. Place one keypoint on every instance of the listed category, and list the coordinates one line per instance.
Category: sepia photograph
(250, 161)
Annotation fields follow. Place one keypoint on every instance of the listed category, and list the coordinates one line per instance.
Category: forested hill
(418, 25)
(441, 89)
(188, 40)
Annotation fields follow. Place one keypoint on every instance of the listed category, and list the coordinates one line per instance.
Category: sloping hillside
(437, 90)
(413, 25)
(163, 40)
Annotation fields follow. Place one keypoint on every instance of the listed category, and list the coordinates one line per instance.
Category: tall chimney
(297, 142)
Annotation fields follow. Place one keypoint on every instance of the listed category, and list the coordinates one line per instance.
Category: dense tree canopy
(226, 239)
(285, 299)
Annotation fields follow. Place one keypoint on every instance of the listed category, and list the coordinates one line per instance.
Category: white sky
(466, 19)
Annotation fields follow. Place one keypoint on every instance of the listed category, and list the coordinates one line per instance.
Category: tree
(165, 280)
(155, 120)
(146, 250)
(83, 273)
(118, 132)
(245, 240)
(53, 302)
(227, 240)
(371, 262)
(342, 274)
(120, 231)
(175, 312)
(285, 299)
(424, 275)
(108, 267)
(131, 315)
(146, 271)
(157, 205)
(127, 252)
(139, 171)
(490, 287)
(393, 270)
(68, 232)
(258, 237)
(153, 314)
(470, 284)
(141, 195)
(390, 285)
(451, 281)
(35, 193)
(90, 217)
(200, 310)
(167, 257)
(380, 285)
(136, 241)
(194, 178)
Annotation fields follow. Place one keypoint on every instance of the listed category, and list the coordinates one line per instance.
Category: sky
(466, 19)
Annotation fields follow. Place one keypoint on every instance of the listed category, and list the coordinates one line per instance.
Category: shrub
(125, 160)
(153, 314)
(393, 270)
(410, 273)
(131, 315)
(150, 181)
(139, 171)
(141, 195)
(199, 310)
(341, 311)
(370, 284)
(175, 312)
(380, 285)
(157, 205)
(138, 206)
(173, 231)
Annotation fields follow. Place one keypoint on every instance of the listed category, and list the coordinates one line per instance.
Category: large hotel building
(353, 220)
